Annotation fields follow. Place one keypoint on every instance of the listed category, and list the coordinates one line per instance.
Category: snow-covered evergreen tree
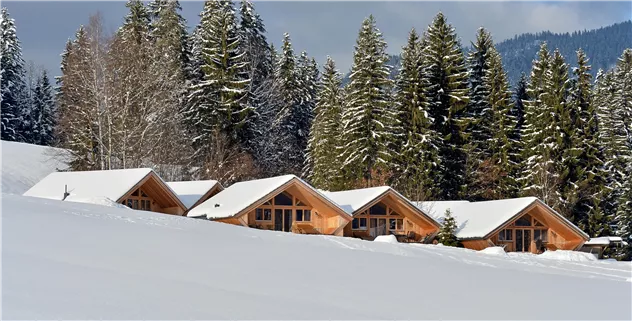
(322, 153)
(416, 163)
(218, 102)
(479, 109)
(44, 112)
(447, 96)
(447, 232)
(12, 77)
(588, 178)
(538, 176)
(518, 114)
(368, 117)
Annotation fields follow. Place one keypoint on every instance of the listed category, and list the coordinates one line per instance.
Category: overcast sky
(324, 28)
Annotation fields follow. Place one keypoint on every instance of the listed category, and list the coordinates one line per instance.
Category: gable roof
(239, 196)
(476, 220)
(112, 184)
(190, 192)
(355, 200)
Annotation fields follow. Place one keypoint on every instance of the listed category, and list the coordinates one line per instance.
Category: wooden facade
(388, 214)
(533, 230)
(293, 207)
(152, 194)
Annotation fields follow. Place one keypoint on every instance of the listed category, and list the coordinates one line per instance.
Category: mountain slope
(602, 46)
(64, 260)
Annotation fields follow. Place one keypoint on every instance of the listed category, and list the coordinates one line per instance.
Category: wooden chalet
(518, 225)
(194, 193)
(138, 188)
(282, 203)
(382, 211)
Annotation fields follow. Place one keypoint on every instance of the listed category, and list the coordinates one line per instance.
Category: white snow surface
(354, 200)
(494, 250)
(190, 192)
(65, 260)
(573, 256)
(477, 219)
(112, 184)
(604, 240)
(104, 201)
(23, 165)
(386, 239)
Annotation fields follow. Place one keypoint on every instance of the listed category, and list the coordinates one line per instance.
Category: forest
(221, 102)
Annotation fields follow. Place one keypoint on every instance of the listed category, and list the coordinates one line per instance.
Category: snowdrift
(66, 260)
(23, 165)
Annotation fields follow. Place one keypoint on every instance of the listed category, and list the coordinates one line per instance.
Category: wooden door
(287, 220)
(523, 240)
(278, 220)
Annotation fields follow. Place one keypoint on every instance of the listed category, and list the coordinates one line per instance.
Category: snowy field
(23, 165)
(64, 260)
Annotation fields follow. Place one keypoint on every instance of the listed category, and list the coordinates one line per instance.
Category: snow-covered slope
(23, 165)
(64, 260)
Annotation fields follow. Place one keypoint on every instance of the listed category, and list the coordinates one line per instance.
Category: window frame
(360, 227)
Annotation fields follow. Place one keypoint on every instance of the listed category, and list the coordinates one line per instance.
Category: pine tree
(257, 53)
(498, 169)
(447, 232)
(417, 162)
(12, 78)
(538, 176)
(623, 217)
(588, 183)
(368, 118)
(44, 112)
(445, 71)
(324, 134)
(563, 144)
(518, 114)
(218, 101)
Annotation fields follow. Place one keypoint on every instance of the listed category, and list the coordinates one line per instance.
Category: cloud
(328, 28)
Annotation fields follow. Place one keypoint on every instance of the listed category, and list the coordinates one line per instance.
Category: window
(283, 199)
(524, 221)
(263, 214)
(358, 223)
(537, 223)
(303, 215)
(377, 209)
(393, 213)
(135, 193)
(505, 235)
(541, 235)
(396, 224)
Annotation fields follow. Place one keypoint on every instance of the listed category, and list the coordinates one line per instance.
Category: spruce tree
(368, 117)
(44, 112)
(325, 131)
(445, 71)
(291, 124)
(219, 100)
(417, 161)
(447, 232)
(498, 170)
(12, 77)
(518, 114)
(538, 176)
(588, 183)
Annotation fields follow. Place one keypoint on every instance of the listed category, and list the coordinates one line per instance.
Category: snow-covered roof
(354, 200)
(242, 195)
(111, 184)
(477, 219)
(605, 240)
(190, 192)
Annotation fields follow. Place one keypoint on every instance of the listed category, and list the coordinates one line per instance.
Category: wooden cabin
(282, 203)
(518, 225)
(383, 211)
(194, 193)
(137, 188)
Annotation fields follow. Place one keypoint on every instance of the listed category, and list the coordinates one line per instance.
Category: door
(287, 220)
(278, 220)
(523, 240)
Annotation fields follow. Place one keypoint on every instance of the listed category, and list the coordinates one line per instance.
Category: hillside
(23, 165)
(602, 46)
(64, 260)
